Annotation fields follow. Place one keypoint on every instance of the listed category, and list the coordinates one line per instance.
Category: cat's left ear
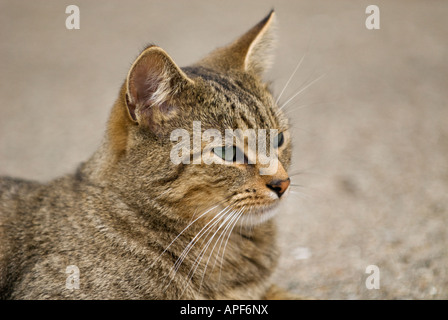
(152, 85)
(252, 52)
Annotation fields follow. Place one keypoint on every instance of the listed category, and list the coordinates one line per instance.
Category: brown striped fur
(124, 217)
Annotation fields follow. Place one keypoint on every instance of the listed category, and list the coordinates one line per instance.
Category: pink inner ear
(145, 80)
(152, 83)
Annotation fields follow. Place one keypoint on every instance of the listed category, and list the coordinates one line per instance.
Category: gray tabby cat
(138, 226)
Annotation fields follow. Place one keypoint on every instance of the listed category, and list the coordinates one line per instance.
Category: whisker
(299, 193)
(206, 228)
(228, 237)
(297, 185)
(222, 236)
(295, 173)
(188, 226)
(315, 103)
(298, 107)
(201, 254)
(290, 78)
(301, 90)
(216, 242)
(190, 245)
(308, 80)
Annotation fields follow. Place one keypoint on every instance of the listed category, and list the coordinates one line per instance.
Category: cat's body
(115, 246)
(138, 226)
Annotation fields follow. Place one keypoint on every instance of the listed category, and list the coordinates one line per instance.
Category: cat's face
(235, 101)
(223, 91)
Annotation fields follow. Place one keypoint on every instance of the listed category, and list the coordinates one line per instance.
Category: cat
(133, 225)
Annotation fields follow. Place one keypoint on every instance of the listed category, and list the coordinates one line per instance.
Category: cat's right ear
(252, 52)
(152, 84)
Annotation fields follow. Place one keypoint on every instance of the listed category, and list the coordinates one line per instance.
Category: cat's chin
(257, 215)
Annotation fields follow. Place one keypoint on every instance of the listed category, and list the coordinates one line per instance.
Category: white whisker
(228, 237)
(190, 245)
(216, 242)
(223, 236)
(300, 91)
(199, 235)
(299, 193)
(201, 253)
(188, 226)
(290, 78)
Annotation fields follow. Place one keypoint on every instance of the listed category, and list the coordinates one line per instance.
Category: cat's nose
(279, 186)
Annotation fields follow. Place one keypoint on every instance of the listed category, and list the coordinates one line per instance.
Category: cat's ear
(252, 52)
(152, 84)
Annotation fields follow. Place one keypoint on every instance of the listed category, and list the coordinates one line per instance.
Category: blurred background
(370, 136)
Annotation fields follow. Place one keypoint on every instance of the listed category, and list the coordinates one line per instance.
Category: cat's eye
(231, 152)
(280, 140)
(220, 152)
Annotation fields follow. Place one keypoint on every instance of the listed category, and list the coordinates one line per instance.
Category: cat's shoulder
(26, 196)
(13, 188)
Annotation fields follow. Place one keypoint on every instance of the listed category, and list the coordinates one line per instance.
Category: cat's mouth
(257, 214)
(255, 210)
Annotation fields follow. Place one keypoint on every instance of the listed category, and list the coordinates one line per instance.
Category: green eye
(223, 151)
(280, 140)
(220, 152)
(231, 152)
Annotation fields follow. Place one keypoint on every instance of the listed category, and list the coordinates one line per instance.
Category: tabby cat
(131, 224)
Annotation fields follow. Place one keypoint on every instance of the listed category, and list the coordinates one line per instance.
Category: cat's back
(36, 220)
(13, 193)
(13, 190)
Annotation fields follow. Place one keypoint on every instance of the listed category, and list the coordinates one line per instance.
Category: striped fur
(138, 226)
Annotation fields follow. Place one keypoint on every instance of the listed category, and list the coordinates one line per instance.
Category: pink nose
(279, 186)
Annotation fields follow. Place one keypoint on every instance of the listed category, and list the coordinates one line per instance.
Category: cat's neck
(102, 164)
(97, 168)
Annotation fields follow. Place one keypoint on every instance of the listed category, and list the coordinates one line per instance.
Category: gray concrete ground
(370, 137)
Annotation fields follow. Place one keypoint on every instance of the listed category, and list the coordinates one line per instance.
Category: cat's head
(162, 105)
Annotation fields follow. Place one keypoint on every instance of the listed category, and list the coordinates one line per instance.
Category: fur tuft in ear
(152, 83)
(252, 52)
(259, 56)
